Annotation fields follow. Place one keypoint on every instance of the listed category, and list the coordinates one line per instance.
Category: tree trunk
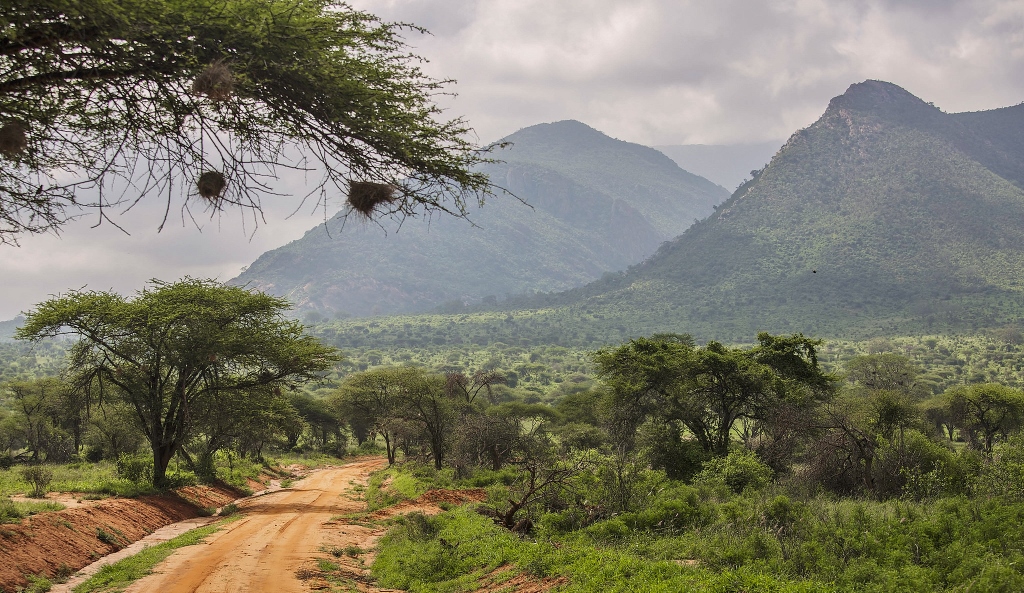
(389, 448)
(162, 455)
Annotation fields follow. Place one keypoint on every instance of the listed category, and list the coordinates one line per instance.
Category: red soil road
(279, 535)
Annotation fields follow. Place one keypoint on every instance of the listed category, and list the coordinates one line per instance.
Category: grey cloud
(661, 71)
(650, 71)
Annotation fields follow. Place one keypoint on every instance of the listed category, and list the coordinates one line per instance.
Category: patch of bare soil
(268, 549)
(276, 546)
(430, 502)
(71, 500)
(501, 581)
(208, 496)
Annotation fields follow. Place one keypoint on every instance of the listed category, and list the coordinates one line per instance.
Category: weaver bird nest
(211, 185)
(215, 81)
(13, 139)
(365, 196)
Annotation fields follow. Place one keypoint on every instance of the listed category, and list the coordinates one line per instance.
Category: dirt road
(276, 542)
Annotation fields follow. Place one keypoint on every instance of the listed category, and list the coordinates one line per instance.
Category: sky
(655, 72)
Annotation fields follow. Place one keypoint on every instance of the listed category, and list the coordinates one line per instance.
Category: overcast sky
(647, 71)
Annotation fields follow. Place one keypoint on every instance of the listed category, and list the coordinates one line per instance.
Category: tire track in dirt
(264, 551)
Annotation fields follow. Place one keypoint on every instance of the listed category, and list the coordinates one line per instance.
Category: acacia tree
(174, 347)
(427, 401)
(38, 404)
(373, 398)
(209, 97)
(984, 412)
(710, 389)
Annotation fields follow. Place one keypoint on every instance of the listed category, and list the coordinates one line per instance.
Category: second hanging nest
(215, 81)
(13, 139)
(211, 185)
(365, 196)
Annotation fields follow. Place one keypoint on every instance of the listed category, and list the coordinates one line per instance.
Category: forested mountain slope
(885, 216)
(593, 205)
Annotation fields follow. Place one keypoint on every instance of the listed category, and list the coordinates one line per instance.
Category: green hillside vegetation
(885, 217)
(816, 484)
(593, 205)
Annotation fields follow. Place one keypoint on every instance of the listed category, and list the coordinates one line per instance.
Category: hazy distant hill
(596, 205)
(728, 165)
(7, 328)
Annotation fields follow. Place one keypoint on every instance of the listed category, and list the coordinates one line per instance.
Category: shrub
(6, 461)
(134, 468)
(1003, 475)
(40, 478)
(38, 584)
(9, 512)
(739, 470)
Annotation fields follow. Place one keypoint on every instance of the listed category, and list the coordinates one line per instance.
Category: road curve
(262, 552)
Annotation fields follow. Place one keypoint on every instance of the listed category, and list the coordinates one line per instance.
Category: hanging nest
(13, 139)
(365, 196)
(211, 185)
(215, 81)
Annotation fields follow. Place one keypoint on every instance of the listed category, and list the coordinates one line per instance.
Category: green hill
(595, 205)
(884, 217)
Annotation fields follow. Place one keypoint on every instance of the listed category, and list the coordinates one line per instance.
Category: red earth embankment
(73, 538)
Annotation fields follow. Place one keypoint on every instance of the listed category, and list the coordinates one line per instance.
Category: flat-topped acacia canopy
(158, 93)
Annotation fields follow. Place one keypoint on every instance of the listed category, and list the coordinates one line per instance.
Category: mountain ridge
(596, 205)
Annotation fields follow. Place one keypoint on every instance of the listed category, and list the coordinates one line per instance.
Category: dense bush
(134, 468)
(39, 477)
(739, 470)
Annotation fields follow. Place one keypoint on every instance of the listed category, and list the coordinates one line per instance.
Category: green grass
(117, 576)
(700, 538)
(406, 482)
(14, 511)
(94, 478)
(308, 460)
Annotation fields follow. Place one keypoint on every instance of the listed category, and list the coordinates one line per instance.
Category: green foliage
(112, 537)
(739, 470)
(228, 510)
(686, 542)
(39, 476)
(1004, 475)
(14, 511)
(91, 478)
(134, 468)
(108, 88)
(985, 412)
(38, 584)
(219, 344)
(710, 389)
